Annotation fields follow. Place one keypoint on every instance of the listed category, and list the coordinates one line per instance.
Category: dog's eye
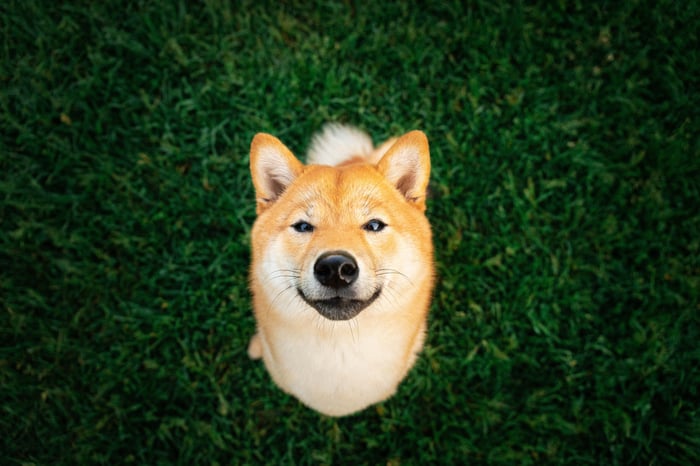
(303, 227)
(374, 225)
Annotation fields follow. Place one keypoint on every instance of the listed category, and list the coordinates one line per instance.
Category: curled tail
(336, 144)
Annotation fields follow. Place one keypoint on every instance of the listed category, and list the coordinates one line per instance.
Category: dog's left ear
(406, 165)
(273, 168)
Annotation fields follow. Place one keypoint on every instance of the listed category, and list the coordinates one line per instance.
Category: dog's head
(340, 238)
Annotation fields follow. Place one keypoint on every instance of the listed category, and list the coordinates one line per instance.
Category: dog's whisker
(392, 294)
(383, 272)
(353, 323)
(278, 295)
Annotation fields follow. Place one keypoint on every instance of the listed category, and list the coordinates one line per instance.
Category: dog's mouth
(338, 307)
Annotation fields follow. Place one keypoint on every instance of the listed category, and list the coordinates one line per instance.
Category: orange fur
(333, 364)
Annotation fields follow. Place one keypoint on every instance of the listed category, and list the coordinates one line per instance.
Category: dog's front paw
(255, 347)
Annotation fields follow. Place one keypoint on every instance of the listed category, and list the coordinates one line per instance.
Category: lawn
(565, 205)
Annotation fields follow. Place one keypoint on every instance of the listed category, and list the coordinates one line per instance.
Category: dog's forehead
(356, 190)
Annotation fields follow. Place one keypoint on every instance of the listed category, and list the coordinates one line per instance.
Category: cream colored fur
(338, 367)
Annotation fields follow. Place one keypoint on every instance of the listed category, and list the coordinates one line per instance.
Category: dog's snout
(336, 269)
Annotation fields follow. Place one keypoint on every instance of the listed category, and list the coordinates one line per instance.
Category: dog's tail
(336, 144)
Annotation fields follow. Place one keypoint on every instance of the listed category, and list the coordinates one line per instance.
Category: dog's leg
(255, 347)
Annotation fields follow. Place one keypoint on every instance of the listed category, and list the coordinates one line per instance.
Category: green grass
(565, 205)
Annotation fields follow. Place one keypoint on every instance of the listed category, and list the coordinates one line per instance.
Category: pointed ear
(273, 168)
(406, 165)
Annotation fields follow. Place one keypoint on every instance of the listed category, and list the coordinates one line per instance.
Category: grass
(565, 207)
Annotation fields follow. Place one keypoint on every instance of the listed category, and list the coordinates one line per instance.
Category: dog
(342, 266)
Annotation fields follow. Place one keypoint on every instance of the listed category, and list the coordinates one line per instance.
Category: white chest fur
(338, 368)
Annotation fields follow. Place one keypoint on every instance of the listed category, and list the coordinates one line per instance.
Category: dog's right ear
(273, 168)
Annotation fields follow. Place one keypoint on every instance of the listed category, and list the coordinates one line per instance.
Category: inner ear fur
(273, 168)
(406, 165)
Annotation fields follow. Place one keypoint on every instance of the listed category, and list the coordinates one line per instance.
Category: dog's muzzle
(336, 271)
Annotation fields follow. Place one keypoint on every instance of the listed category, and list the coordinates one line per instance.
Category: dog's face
(343, 240)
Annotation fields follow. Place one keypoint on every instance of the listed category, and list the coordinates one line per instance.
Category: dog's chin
(339, 308)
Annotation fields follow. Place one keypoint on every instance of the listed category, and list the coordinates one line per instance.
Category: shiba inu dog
(342, 265)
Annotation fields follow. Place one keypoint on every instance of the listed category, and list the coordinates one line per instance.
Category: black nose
(336, 269)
